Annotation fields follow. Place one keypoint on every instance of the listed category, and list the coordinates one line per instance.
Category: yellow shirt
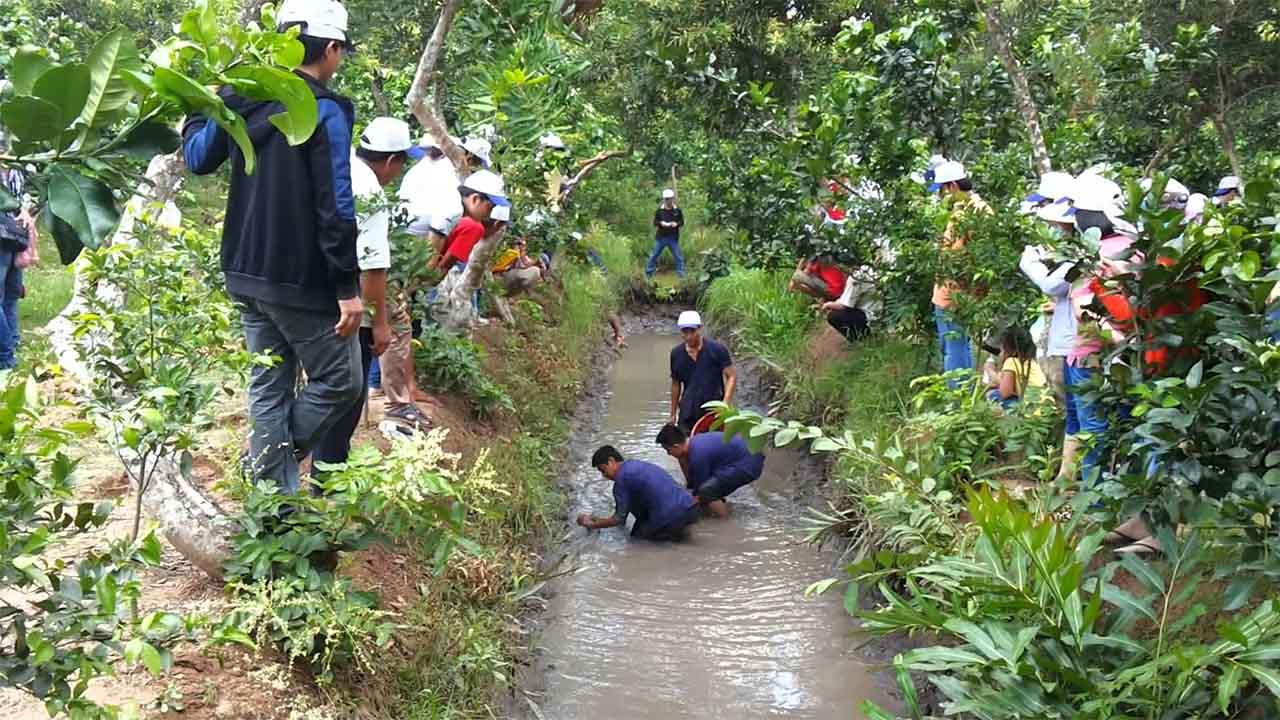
(506, 260)
(1026, 374)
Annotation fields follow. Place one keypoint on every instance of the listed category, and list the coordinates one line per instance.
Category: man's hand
(351, 312)
(673, 418)
(381, 336)
(585, 520)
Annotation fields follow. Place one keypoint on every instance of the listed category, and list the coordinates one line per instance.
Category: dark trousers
(849, 322)
(335, 446)
(673, 531)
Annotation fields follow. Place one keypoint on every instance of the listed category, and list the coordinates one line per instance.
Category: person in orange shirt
(952, 181)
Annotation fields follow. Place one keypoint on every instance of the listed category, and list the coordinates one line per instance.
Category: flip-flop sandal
(412, 416)
(1145, 546)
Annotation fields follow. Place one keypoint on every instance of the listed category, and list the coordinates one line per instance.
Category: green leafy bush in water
(64, 623)
(449, 363)
(285, 553)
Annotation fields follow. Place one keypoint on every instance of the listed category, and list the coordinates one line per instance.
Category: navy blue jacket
(289, 236)
(650, 493)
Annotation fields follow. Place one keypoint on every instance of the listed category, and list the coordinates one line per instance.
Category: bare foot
(719, 508)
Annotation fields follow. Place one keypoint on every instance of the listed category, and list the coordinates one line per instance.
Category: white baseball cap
(386, 134)
(552, 140)
(1230, 183)
(1053, 187)
(1058, 212)
(324, 19)
(489, 184)
(479, 147)
(1196, 205)
(501, 213)
(668, 194)
(689, 319)
(949, 171)
(1094, 192)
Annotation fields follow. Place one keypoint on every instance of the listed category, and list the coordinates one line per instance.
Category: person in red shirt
(821, 280)
(481, 192)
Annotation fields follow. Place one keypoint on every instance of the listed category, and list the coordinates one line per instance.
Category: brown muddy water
(717, 627)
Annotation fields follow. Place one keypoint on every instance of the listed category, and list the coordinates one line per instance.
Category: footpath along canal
(717, 627)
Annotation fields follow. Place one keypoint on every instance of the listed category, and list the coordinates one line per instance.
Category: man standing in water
(662, 508)
(713, 468)
(701, 371)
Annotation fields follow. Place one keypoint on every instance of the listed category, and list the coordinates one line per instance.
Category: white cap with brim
(323, 19)
(386, 134)
(668, 194)
(1058, 212)
(489, 184)
(1228, 184)
(1096, 193)
(479, 147)
(948, 172)
(501, 213)
(1196, 205)
(689, 319)
(1053, 187)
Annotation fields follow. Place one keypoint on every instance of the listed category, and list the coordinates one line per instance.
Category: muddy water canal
(716, 627)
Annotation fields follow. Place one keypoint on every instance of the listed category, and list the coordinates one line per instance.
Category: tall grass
(766, 320)
(48, 286)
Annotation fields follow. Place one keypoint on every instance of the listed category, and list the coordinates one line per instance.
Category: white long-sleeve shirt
(1062, 326)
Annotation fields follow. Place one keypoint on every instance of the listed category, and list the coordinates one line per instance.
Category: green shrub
(768, 321)
(449, 363)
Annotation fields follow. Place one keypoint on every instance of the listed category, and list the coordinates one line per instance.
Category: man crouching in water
(713, 467)
(663, 509)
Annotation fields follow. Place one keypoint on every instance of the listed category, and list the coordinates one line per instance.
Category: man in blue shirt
(701, 371)
(713, 467)
(662, 508)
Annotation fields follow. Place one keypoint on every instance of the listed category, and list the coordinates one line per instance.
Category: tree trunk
(195, 526)
(1021, 88)
(428, 113)
(1228, 136)
(586, 168)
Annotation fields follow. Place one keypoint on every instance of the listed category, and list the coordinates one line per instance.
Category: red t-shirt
(462, 239)
(832, 276)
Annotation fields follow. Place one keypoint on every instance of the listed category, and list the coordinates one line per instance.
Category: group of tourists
(714, 466)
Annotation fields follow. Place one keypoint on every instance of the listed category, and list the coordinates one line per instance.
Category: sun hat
(1228, 184)
(322, 19)
(386, 134)
(479, 147)
(947, 172)
(489, 184)
(1053, 187)
(689, 319)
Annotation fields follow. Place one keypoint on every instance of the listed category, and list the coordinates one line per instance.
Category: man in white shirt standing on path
(376, 162)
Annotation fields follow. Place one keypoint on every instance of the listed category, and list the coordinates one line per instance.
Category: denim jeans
(10, 289)
(1088, 417)
(335, 447)
(287, 424)
(1274, 317)
(375, 375)
(957, 351)
(664, 243)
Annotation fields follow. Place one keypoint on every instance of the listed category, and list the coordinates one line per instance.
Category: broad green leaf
(1228, 685)
(67, 87)
(31, 119)
(820, 587)
(298, 121)
(83, 203)
(64, 236)
(27, 66)
(975, 636)
(1248, 265)
(109, 90)
(785, 437)
(1239, 592)
(148, 140)
(1268, 676)
(150, 549)
(1126, 602)
(825, 445)
(937, 658)
(196, 99)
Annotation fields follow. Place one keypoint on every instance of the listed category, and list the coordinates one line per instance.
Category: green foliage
(1027, 635)
(770, 321)
(282, 570)
(162, 359)
(450, 363)
(65, 622)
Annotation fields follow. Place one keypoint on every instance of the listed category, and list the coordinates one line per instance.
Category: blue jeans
(375, 375)
(1089, 417)
(10, 289)
(286, 424)
(665, 243)
(957, 351)
(1274, 317)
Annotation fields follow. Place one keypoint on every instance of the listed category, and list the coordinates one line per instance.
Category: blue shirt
(703, 380)
(710, 455)
(650, 493)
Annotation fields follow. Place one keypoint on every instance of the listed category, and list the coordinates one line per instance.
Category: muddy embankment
(717, 627)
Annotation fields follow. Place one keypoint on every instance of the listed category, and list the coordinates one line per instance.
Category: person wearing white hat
(386, 333)
(1228, 190)
(1054, 283)
(1175, 194)
(952, 181)
(481, 193)
(479, 152)
(668, 219)
(701, 372)
(289, 250)
(1054, 186)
